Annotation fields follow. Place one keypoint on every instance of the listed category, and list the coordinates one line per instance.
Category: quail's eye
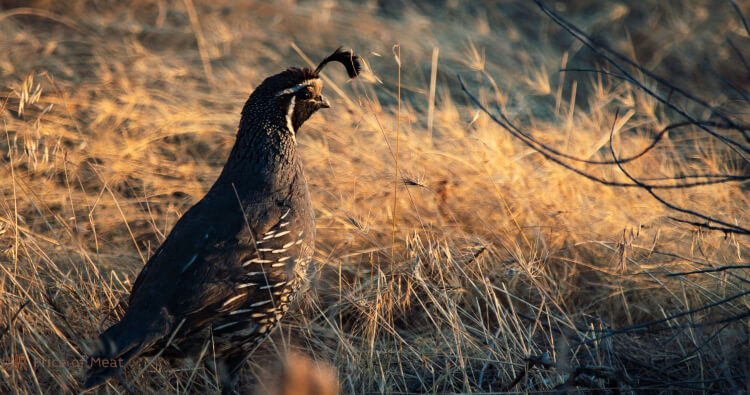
(305, 95)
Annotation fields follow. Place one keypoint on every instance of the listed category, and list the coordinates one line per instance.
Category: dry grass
(128, 112)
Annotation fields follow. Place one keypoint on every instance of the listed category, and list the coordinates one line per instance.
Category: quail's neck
(263, 153)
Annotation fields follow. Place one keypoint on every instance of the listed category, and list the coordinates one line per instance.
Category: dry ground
(117, 117)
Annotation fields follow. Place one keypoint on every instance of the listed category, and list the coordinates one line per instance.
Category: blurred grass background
(117, 117)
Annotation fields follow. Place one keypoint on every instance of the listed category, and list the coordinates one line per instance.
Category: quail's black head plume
(351, 61)
(234, 262)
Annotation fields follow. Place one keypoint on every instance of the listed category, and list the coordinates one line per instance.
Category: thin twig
(672, 317)
(7, 327)
(716, 269)
(741, 15)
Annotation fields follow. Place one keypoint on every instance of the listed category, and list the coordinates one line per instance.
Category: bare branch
(647, 324)
(599, 49)
(742, 16)
(712, 270)
(726, 226)
(551, 154)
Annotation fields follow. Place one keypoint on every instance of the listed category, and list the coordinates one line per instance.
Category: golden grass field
(118, 116)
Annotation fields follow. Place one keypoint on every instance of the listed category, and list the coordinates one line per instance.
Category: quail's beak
(322, 102)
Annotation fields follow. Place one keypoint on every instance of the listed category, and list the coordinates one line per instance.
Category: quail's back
(234, 262)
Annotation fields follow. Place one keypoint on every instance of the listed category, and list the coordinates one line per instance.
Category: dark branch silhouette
(552, 154)
(712, 270)
(726, 227)
(650, 185)
(602, 50)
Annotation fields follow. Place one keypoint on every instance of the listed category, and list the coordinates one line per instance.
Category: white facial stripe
(293, 89)
(289, 113)
(301, 85)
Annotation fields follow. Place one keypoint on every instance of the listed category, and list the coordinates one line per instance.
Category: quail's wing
(181, 251)
(195, 264)
(247, 278)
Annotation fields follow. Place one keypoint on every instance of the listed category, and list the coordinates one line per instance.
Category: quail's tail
(121, 343)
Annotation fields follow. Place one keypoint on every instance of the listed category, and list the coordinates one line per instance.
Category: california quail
(233, 263)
